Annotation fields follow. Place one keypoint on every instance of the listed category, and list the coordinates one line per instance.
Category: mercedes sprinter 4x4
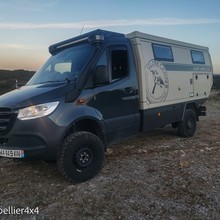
(101, 87)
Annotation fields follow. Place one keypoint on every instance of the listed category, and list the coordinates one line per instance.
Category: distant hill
(8, 79)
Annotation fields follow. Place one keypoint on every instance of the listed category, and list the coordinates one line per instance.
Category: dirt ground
(157, 175)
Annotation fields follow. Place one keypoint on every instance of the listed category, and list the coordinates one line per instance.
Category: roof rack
(92, 37)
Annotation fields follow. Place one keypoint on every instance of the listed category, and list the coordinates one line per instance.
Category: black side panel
(161, 116)
(124, 129)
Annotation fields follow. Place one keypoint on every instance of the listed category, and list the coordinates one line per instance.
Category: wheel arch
(193, 106)
(81, 118)
(88, 124)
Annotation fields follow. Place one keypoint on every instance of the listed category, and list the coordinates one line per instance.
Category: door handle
(129, 89)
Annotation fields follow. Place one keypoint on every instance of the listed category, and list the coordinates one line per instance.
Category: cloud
(25, 5)
(12, 46)
(20, 47)
(37, 6)
(109, 23)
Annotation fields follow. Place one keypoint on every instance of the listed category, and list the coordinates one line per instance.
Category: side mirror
(101, 75)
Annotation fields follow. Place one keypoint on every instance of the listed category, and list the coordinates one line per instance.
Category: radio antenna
(81, 30)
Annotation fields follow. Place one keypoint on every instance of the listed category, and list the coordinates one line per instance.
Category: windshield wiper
(67, 80)
(51, 81)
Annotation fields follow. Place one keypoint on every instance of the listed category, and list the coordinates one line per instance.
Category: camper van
(99, 88)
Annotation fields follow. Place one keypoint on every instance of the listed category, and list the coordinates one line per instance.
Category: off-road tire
(81, 156)
(187, 127)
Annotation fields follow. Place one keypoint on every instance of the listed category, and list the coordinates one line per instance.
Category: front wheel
(187, 127)
(81, 156)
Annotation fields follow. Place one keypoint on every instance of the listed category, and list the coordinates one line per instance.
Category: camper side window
(119, 63)
(162, 52)
(197, 57)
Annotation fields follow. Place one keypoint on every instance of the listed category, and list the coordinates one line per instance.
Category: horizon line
(22, 69)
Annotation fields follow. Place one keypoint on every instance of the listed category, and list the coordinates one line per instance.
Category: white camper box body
(170, 71)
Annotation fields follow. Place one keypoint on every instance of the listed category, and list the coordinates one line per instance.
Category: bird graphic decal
(157, 80)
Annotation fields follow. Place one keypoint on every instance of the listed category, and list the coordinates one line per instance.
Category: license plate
(12, 153)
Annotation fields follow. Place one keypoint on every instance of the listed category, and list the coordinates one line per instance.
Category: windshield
(64, 66)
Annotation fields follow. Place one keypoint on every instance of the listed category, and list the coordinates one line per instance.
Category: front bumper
(39, 138)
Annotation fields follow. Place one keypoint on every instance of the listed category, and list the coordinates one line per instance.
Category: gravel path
(152, 176)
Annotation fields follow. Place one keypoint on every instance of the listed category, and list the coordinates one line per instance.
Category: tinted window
(65, 65)
(162, 52)
(197, 57)
(116, 61)
(119, 65)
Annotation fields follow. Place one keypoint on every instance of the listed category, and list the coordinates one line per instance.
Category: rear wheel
(187, 127)
(81, 156)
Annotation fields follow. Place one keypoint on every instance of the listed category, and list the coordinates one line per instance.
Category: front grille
(7, 117)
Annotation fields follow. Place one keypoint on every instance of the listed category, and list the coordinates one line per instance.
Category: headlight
(37, 111)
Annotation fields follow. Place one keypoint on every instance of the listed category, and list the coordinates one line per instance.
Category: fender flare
(70, 117)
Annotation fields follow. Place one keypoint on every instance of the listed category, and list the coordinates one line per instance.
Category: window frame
(159, 58)
(197, 52)
(117, 48)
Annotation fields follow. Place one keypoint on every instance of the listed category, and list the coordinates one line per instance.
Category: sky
(28, 27)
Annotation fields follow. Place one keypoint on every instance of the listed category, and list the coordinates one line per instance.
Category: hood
(35, 94)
